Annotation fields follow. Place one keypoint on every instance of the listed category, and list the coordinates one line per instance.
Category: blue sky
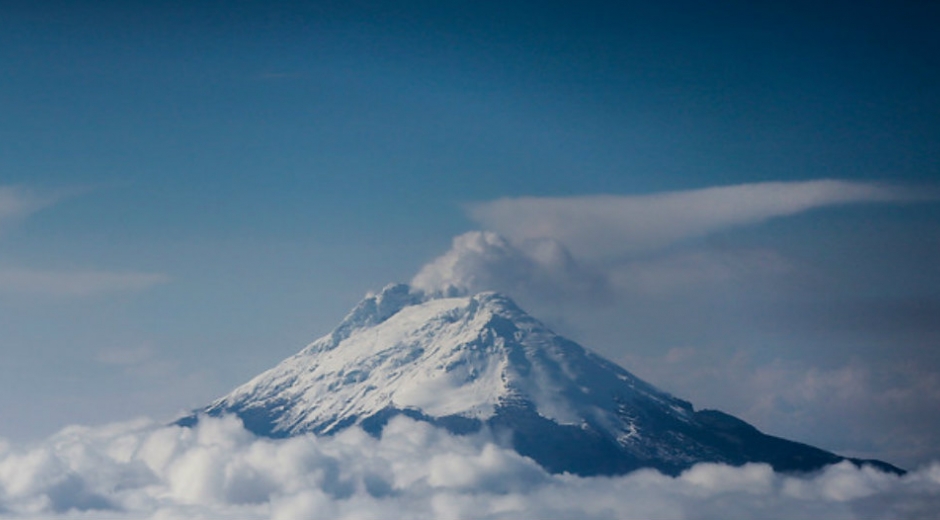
(195, 190)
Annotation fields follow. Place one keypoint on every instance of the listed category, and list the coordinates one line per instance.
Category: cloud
(75, 284)
(539, 270)
(685, 270)
(609, 226)
(605, 245)
(17, 202)
(219, 470)
(484, 261)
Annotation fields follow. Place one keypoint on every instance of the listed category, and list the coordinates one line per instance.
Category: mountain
(463, 363)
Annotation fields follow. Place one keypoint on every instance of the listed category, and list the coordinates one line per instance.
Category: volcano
(479, 361)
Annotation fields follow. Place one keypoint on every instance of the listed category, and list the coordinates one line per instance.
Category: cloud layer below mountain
(219, 470)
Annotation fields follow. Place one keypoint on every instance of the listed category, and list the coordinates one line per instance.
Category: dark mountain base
(585, 450)
(748, 444)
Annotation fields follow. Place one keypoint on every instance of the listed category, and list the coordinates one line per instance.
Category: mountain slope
(466, 362)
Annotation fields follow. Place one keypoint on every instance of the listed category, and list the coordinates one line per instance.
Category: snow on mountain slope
(450, 356)
(468, 362)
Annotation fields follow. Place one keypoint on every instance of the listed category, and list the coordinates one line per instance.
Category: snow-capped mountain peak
(476, 361)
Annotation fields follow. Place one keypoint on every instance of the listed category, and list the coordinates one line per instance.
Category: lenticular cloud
(219, 470)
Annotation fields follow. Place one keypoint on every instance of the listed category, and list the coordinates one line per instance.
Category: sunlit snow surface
(445, 356)
(399, 368)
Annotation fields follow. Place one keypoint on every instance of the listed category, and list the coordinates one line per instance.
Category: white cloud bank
(219, 470)
(608, 226)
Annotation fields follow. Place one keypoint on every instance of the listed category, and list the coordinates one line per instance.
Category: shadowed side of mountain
(472, 362)
(745, 443)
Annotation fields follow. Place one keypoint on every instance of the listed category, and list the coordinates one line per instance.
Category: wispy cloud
(544, 269)
(608, 226)
(604, 245)
(695, 269)
(74, 284)
(17, 202)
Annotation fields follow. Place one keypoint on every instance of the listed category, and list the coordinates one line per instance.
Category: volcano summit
(465, 363)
